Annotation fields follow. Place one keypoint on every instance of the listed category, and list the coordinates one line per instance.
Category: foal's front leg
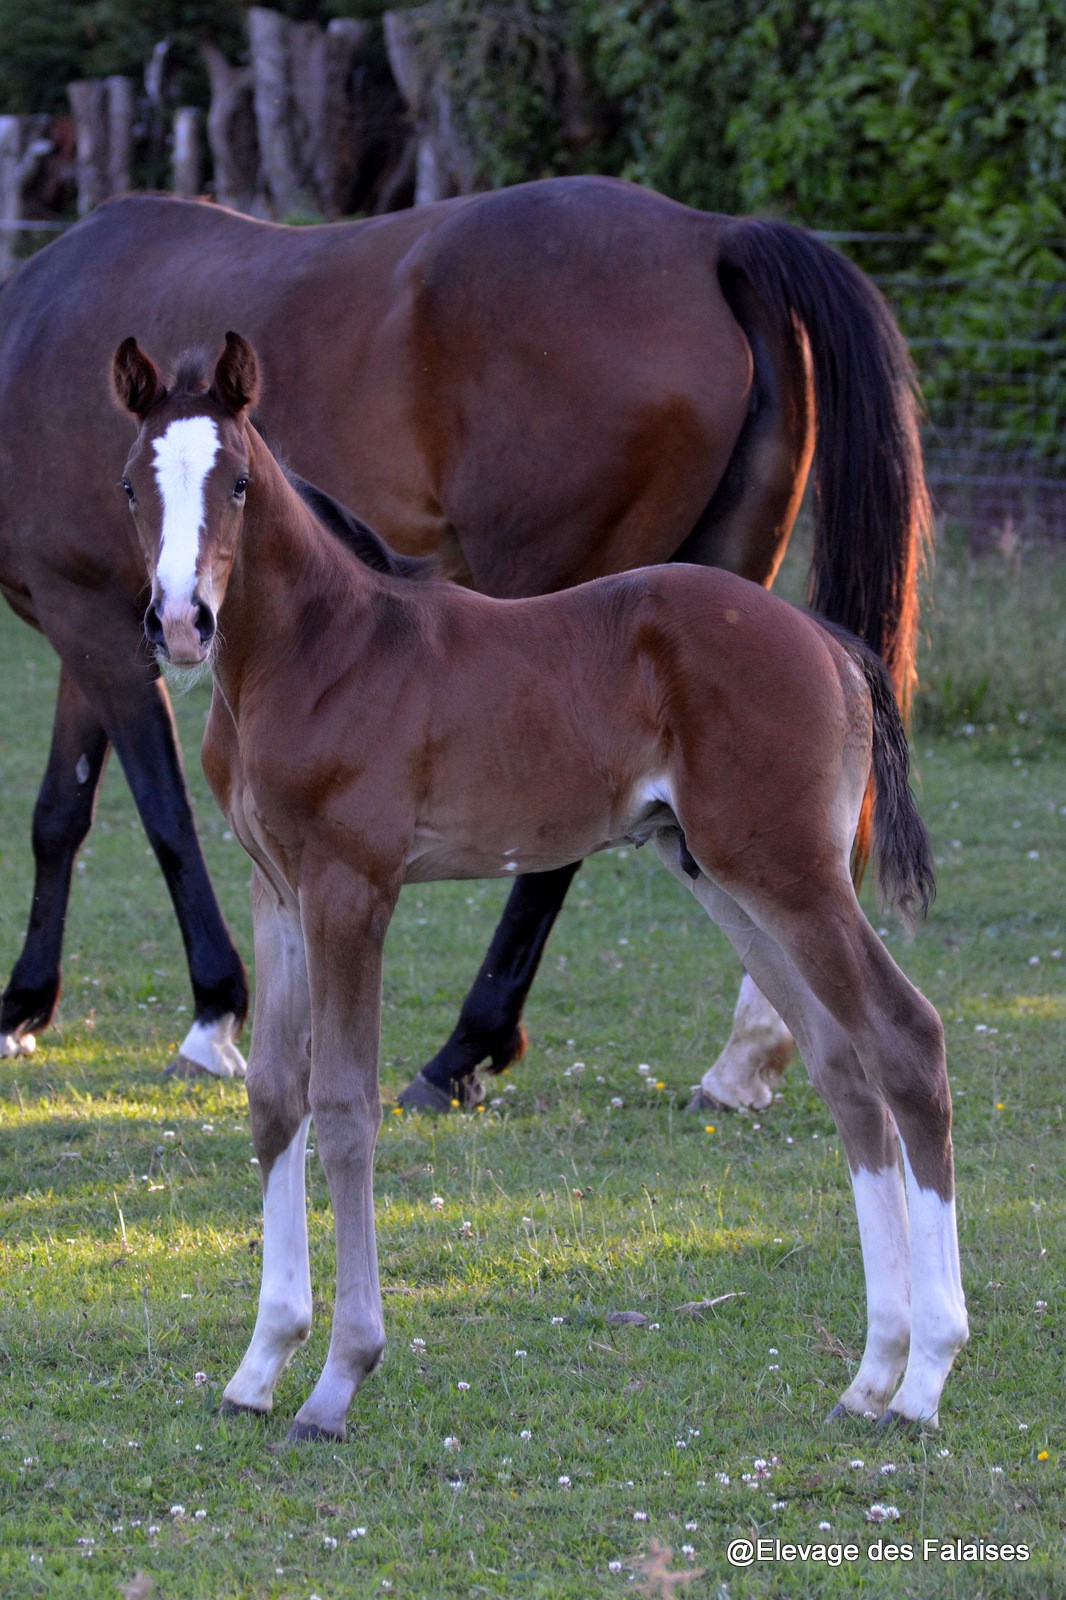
(278, 1068)
(345, 920)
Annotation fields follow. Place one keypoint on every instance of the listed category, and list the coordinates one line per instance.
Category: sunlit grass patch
(131, 1233)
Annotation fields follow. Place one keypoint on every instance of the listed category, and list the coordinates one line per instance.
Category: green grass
(131, 1230)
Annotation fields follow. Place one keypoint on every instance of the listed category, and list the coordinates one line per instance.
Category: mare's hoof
(182, 1067)
(702, 1101)
(839, 1410)
(17, 1044)
(311, 1430)
(421, 1095)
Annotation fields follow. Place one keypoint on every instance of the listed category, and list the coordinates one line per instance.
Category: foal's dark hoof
(310, 1430)
(230, 1408)
(839, 1410)
(421, 1095)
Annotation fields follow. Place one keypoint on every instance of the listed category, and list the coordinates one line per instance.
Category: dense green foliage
(942, 119)
(944, 122)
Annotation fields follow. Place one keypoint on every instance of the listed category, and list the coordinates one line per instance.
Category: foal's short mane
(192, 374)
(357, 536)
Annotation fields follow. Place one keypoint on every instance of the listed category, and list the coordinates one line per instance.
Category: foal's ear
(138, 382)
(236, 382)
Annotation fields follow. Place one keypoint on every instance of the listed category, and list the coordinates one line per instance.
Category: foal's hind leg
(61, 819)
(278, 1069)
(874, 1049)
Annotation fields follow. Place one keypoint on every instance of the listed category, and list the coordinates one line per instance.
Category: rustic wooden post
(24, 145)
(329, 109)
(88, 101)
(121, 109)
(444, 165)
(231, 134)
(279, 120)
(10, 191)
(103, 114)
(187, 164)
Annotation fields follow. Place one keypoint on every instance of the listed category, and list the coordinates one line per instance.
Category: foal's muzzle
(183, 634)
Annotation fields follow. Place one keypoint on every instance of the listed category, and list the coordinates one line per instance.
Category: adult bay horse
(542, 385)
(680, 705)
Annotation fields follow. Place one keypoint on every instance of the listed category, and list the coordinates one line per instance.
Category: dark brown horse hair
(358, 536)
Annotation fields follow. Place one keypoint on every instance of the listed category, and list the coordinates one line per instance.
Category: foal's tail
(902, 848)
(873, 517)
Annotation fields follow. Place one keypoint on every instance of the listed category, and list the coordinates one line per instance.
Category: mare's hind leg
(62, 817)
(490, 1022)
(874, 1049)
(753, 1060)
(278, 1070)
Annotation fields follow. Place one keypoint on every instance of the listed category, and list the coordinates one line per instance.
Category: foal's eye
(127, 489)
(239, 488)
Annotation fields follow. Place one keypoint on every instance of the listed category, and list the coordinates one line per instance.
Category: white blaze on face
(184, 456)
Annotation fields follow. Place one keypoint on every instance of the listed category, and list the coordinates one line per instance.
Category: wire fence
(991, 358)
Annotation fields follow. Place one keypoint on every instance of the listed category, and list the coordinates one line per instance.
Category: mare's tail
(873, 518)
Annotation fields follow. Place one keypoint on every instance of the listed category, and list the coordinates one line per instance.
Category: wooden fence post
(187, 155)
(103, 114)
(87, 101)
(279, 121)
(231, 134)
(121, 109)
(444, 165)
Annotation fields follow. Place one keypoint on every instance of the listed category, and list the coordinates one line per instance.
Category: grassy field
(517, 1442)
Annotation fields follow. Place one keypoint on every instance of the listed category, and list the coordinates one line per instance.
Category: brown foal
(369, 730)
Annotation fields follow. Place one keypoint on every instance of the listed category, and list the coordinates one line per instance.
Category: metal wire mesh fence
(991, 357)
